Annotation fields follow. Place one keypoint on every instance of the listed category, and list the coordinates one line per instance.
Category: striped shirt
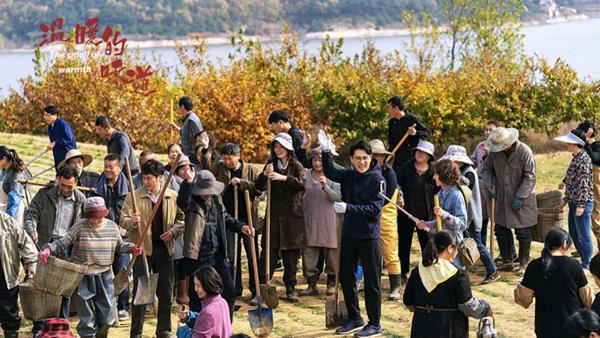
(93, 246)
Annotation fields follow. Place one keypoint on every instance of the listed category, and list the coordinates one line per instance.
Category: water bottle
(487, 328)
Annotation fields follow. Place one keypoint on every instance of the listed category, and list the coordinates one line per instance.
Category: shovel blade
(121, 281)
(261, 321)
(270, 296)
(146, 290)
(335, 316)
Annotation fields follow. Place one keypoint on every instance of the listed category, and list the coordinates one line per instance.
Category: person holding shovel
(158, 244)
(204, 241)
(287, 232)
(401, 123)
(416, 196)
(238, 176)
(16, 247)
(458, 155)
(60, 134)
(509, 176)
(93, 242)
(453, 208)
(361, 206)
(389, 219)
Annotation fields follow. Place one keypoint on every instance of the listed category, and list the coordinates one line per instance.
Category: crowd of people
(195, 216)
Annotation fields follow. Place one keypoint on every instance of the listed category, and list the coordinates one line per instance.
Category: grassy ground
(307, 319)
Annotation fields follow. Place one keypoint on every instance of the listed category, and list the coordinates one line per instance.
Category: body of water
(576, 42)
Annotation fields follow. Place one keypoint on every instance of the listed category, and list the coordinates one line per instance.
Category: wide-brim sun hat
(183, 161)
(285, 140)
(378, 148)
(205, 183)
(87, 159)
(457, 153)
(426, 147)
(501, 139)
(570, 138)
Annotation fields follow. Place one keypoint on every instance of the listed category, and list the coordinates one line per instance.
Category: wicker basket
(38, 304)
(549, 199)
(548, 218)
(58, 277)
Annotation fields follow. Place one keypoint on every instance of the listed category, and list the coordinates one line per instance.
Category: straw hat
(457, 153)
(87, 159)
(501, 138)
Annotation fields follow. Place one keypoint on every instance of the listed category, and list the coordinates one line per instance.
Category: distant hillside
(165, 19)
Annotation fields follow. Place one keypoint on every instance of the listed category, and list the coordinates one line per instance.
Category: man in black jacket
(401, 121)
(117, 143)
(361, 206)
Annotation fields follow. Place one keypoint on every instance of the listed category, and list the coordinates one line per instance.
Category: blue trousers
(579, 228)
(486, 259)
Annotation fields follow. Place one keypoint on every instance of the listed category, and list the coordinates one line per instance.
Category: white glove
(324, 141)
(340, 207)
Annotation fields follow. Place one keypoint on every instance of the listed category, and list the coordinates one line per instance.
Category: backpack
(467, 194)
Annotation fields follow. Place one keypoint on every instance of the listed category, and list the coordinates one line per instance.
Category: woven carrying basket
(38, 304)
(548, 218)
(58, 277)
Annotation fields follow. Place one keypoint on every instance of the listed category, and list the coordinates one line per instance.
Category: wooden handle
(268, 231)
(252, 247)
(438, 219)
(406, 135)
(132, 190)
(40, 184)
(492, 223)
(337, 266)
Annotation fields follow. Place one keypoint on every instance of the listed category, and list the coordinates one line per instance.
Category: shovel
(335, 310)
(269, 291)
(390, 157)
(36, 157)
(492, 224)
(121, 280)
(146, 287)
(261, 319)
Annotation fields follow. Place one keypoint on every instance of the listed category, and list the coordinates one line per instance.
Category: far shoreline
(356, 33)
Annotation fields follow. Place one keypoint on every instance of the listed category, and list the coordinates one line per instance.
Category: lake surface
(576, 42)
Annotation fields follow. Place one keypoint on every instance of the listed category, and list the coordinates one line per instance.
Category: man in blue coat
(362, 203)
(61, 136)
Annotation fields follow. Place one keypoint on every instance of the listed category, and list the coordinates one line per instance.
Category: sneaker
(350, 327)
(369, 331)
(492, 277)
(253, 302)
(292, 297)
(123, 315)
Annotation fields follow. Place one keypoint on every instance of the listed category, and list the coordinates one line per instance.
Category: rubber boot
(330, 285)
(291, 296)
(182, 291)
(524, 249)
(312, 287)
(395, 283)
(507, 261)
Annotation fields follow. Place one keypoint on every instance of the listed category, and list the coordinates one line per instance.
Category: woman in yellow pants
(389, 219)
